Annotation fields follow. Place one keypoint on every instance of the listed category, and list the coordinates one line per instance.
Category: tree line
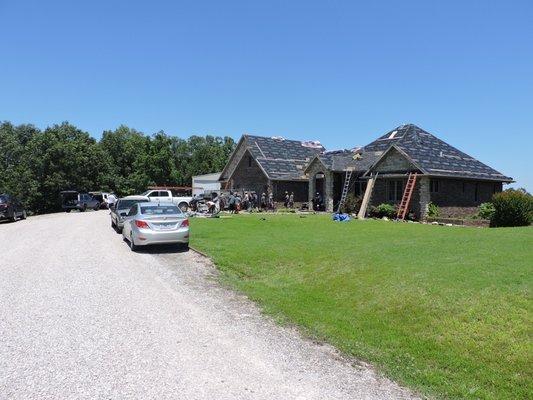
(36, 165)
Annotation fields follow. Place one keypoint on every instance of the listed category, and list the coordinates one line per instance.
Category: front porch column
(328, 192)
(312, 186)
(424, 196)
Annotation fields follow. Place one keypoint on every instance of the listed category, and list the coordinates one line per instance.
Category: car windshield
(126, 204)
(160, 210)
(145, 193)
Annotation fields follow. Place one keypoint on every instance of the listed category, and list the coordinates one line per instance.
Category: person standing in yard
(237, 203)
(245, 201)
(263, 202)
(256, 201)
(286, 200)
(271, 201)
(291, 200)
(231, 202)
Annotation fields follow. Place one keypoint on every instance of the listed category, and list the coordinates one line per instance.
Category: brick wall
(463, 193)
(249, 177)
(393, 162)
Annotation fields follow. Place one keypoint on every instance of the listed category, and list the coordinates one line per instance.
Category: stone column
(424, 196)
(328, 192)
(312, 185)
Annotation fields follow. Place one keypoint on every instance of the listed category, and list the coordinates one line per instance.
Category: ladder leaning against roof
(345, 189)
(367, 196)
(406, 198)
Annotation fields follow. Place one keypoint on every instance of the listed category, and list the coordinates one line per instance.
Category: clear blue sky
(339, 72)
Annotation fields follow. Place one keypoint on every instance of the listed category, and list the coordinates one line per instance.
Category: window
(434, 186)
(132, 210)
(394, 190)
(155, 193)
(160, 210)
(360, 188)
(163, 193)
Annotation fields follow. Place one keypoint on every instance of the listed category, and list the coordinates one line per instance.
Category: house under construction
(407, 167)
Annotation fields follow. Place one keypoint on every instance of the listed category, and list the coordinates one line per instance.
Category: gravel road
(82, 317)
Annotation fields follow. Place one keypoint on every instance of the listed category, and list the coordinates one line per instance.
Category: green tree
(61, 158)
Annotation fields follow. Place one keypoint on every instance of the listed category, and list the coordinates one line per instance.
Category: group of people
(251, 201)
(289, 200)
(247, 201)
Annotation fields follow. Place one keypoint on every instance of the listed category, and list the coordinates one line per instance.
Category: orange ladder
(406, 198)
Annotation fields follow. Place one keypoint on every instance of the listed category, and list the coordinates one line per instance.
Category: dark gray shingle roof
(433, 155)
(281, 158)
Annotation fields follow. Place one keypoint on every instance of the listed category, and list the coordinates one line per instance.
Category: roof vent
(393, 133)
(278, 138)
(314, 144)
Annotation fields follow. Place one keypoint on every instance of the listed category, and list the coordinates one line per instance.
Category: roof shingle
(281, 159)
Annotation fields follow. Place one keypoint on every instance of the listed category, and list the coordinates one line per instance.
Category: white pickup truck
(163, 195)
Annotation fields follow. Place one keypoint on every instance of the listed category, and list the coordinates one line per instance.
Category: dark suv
(73, 200)
(11, 208)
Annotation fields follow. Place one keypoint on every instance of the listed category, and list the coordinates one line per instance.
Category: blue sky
(340, 72)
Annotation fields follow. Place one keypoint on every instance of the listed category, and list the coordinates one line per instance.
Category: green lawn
(443, 310)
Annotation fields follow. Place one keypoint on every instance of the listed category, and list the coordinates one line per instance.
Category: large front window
(395, 190)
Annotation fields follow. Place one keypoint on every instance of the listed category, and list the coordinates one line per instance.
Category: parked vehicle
(156, 223)
(11, 208)
(73, 200)
(165, 195)
(101, 197)
(120, 210)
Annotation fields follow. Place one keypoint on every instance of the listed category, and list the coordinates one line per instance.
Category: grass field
(443, 310)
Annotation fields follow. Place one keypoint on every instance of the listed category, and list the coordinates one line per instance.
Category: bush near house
(433, 210)
(512, 208)
(444, 310)
(383, 210)
(352, 204)
(486, 211)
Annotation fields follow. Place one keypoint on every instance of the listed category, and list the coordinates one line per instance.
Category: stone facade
(316, 167)
(248, 175)
(393, 162)
(454, 197)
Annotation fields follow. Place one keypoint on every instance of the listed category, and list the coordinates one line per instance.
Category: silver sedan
(155, 223)
(120, 210)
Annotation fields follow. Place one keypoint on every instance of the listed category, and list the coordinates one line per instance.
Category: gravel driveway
(82, 317)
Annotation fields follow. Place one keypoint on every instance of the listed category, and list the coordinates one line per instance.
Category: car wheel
(183, 246)
(14, 216)
(96, 207)
(24, 215)
(83, 208)
(183, 206)
(68, 210)
(133, 246)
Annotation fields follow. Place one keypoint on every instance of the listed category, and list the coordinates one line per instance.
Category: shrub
(512, 208)
(352, 204)
(383, 210)
(433, 210)
(486, 210)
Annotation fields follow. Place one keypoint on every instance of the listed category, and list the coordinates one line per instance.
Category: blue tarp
(341, 217)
